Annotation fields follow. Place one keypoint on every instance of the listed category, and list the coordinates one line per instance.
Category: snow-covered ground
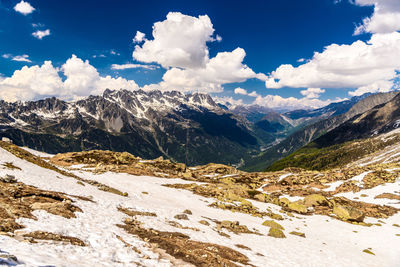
(328, 242)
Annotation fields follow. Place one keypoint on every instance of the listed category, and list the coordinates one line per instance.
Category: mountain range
(189, 128)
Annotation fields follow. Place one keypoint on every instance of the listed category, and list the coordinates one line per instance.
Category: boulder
(315, 200)
(273, 224)
(297, 207)
(277, 233)
(348, 213)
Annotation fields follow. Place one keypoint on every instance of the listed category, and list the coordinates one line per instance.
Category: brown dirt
(40, 235)
(131, 212)
(388, 196)
(182, 247)
(19, 200)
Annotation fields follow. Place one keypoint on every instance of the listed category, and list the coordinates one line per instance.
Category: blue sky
(270, 33)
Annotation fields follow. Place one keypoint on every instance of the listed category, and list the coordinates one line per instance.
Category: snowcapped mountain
(182, 127)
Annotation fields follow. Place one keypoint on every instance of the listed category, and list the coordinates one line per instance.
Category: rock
(297, 207)
(275, 216)
(8, 179)
(284, 201)
(7, 140)
(189, 212)
(348, 213)
(181, 217)
(273, 224)
(275, 232)
(368, 251)
(204, 222)
(187, 175)
(316, 200)
(298, 234)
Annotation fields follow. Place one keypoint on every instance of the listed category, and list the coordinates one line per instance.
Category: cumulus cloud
(385, 18)
(240, 91)
(139, 37)
(377, 87)
(360, 64)
(82, 79)
(178, 41)
(40, 34)
(228, 101)
(179, 45)
(24, 8)
(291, 103)
(29, 82)
(133, 66)
(225, 67)
(312, 92)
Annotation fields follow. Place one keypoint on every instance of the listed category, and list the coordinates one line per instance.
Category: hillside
(349, 141)
(109, 208)
(311, 132)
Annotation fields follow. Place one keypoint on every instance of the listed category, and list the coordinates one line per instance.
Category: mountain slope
(102, 208)
(349, 141)
(184, 128)
(311, 132)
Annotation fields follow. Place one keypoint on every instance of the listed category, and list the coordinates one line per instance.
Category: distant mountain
(350, 141)
(185, 128)
(302, 116)
(311, 132)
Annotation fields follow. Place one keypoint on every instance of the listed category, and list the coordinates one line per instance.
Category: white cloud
(360, 64)
(225, 67)
(40, 34)
(82, 79)
(180, 45)
(377, 87)
(301, 60)
(37, 25)
(240, 91)
(179, 41)
(22, 58)
(29, 82)
(385, 19)
(6, 56)
(133, 66)
(139, 37)
(24, 8)
(312, 92)
(253, 94)
(291, 103)
(228, 101)
(115, 53)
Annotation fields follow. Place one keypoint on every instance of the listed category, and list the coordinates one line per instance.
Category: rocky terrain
(107, 208)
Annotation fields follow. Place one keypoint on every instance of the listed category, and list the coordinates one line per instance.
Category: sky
(285, 54)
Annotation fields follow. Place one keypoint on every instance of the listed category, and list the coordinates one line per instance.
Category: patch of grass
(313, 157)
